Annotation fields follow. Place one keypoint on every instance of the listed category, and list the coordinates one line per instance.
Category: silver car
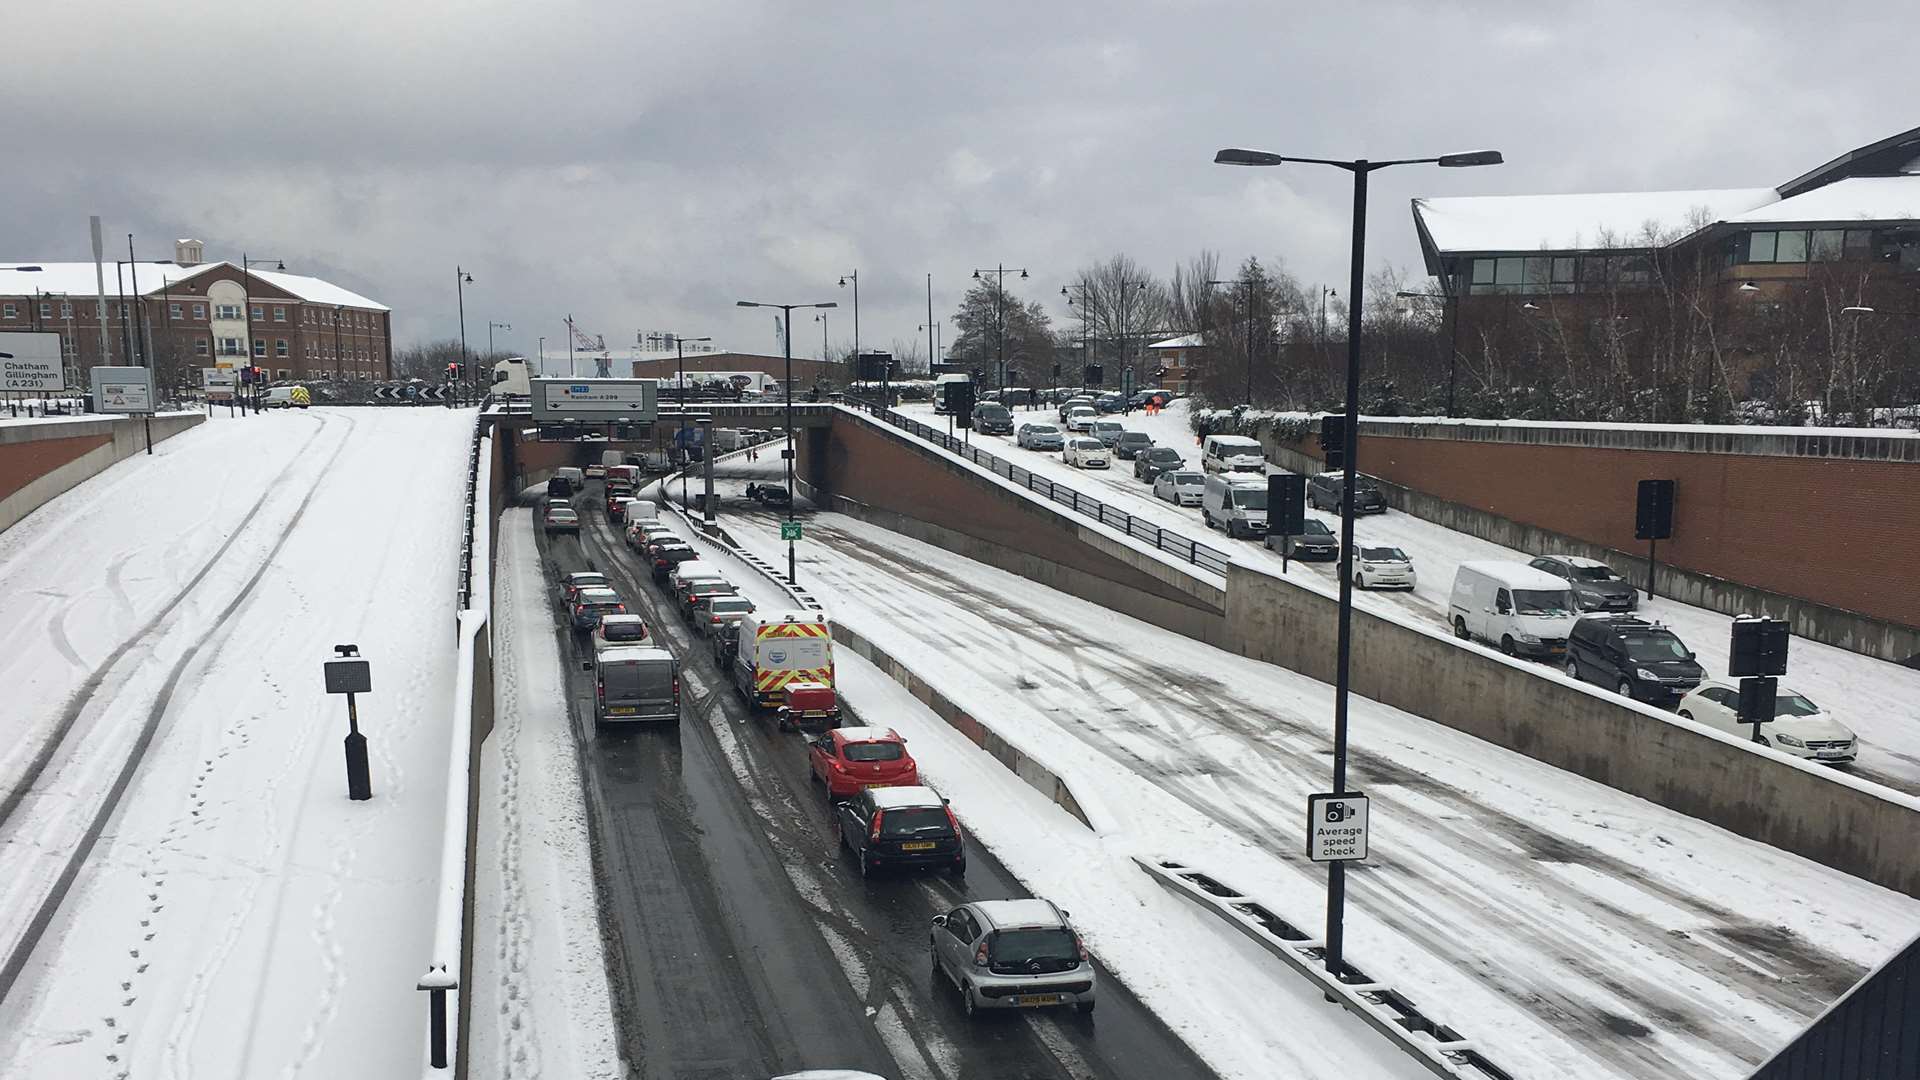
(1182, 487)
(1012, 954)
(1107, 431)
(1038, 437)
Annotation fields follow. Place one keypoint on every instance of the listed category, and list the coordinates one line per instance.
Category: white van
(1232, 453)
(635, 684)
(693, 570)
(1526, 612)
(1236, 502)
(640, 511)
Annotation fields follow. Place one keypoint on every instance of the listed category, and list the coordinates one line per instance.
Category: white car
(1085, 453)
(1181, 487)
(1081, 418)
(617, 630)
(1799, 727)
(1383, 568)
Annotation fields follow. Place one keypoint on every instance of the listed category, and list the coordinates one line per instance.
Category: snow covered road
(238, 915)
(1574, 930)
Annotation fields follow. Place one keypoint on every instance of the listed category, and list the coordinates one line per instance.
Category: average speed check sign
(1337, 827)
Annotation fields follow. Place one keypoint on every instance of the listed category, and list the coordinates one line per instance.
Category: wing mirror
(939, 920)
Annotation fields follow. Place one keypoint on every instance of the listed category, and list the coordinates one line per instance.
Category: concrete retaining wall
(1856, 827)
(1036, 775)
(40, 460)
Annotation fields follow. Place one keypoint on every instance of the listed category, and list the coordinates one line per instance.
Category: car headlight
(1643, 673)
(1531, 639)
(1788, 740)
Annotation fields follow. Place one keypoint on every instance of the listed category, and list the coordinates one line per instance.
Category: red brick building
(183, 314)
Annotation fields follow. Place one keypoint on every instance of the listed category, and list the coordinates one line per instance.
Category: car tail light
(951, 820)
(980, 955)
(875, 833)
(676, 689)
(1082, 947)
(599, 692)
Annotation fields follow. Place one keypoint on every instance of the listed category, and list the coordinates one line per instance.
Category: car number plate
(927, 845)
(1037, 999)
(1556, 649)
(1829, 753)
(620, 712)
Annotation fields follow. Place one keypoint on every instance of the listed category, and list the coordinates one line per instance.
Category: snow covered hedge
(1240, 420)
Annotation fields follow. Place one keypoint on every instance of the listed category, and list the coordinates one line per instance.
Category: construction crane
(595, 344)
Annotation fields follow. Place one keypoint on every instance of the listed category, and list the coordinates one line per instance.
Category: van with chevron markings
(781, 647)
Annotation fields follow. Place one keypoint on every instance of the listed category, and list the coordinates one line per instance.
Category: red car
(849, 759)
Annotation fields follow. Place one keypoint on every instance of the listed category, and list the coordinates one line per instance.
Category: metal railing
(474, 495)
(1210, 559)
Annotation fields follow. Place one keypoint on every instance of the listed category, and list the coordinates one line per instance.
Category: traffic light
(1286, 504)
(1653, 510)
(960, 403)
(1333, 440)
(1759, 648)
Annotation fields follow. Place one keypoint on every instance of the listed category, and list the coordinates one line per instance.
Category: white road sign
(1337, 827)
(219, 382)
(595, 401)
(31, 362)
(123, 389)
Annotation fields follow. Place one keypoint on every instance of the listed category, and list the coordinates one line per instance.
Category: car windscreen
(993, 412)
(1793, 705)
(1594, 573)
(1543, 602)
(914, 821)
(874, 751)
(1042, 429)
(1251, 498)
(1022, 951)
(1106, 425)
(623, 631)
(1382, 554)
(1132, 437)
(1088, 444)
(725, 606)
(1163, 453)
(1189, 479)
(1316, 527)
(1652, 647)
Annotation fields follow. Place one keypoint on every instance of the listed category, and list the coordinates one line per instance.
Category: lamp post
(1361, 168)
(822, 320)
(491, 327)
(933, 341)
(1248, 282)
(543, 356)
(1086, 321)
(786, 313)
(246, 310)
(853, 276)
(680, 351)
(1451, 300)
(337, 309)
(1000, 308)
(462, 279)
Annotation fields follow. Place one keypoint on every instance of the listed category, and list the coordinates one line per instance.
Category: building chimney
(189, 252)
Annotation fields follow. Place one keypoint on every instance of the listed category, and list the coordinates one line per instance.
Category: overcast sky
(644, 165)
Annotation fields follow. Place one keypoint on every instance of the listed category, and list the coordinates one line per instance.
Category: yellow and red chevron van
(781, 647)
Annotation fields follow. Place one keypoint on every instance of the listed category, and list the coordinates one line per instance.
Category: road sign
(1337, 827)
(789, 530)
(595, 401)
(123, 389)
(31, 363)
(1759, 647)
(219, 384)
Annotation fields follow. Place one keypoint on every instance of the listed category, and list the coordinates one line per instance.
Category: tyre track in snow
(1770, 963)
(49, 903)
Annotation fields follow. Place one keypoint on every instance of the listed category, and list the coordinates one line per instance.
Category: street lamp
(786, 313)
(1000, 308)
(491, 327)
(932, 330)
(822, 320)
(1361, 168)
(680, 351)
(853, 276)
(1086, 323)
(1248, 282)
(462, 279)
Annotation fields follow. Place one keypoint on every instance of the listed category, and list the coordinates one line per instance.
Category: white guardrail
(444, 964)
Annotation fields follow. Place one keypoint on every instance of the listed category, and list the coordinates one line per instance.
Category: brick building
(1647, 281)
(184, 313)
(806, 373)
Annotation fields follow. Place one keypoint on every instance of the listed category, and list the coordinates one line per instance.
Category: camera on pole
(351, 675)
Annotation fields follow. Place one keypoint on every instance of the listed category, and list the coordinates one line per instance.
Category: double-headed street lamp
(1361, 168)
(786, 314)
(1000, 307)
(680, 352)
(462, 279)
(822, 320)
(1083, 289)
(853, 276)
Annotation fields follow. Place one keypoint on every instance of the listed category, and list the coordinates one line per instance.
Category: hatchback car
(561, 519)
(1086, 453)
(712, 612)
(1131, 444)
(689, 598)
(1038, 437)
(1314, 541)
(591, 604)
(1081, 418)
(571, 585)
(992, 418)
(1635, 658)
(1151, 462)
(901, 826)
(851, 759)
(1182, 487)
(1012, 954)
(595, 472)
(667, 556)
(620, 628)
(1799, 727)
(1595, 586)
(1383, 568)
(1067, 406)
(1107, 431)
(1325, 490)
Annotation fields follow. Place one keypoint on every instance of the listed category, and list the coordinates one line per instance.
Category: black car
(992, 418)
(1149, 464)
(1317, 542)
(725, 642)
(770, 494)
(901, 826)
(667, 556)
(1324, 493)
(1642, 660)
(1595, 586)
(1131, 444)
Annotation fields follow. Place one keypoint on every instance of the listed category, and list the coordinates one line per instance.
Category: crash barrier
(1438, 1047)
(1212, 560)
(44, 458)
(1867, 1035)
(451, 959)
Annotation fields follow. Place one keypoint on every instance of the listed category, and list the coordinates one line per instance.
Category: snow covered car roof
(869, 734)
(1029, 912)
(894, 798)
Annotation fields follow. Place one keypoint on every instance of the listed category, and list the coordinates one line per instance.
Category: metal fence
(1210, 559)
(474, 496)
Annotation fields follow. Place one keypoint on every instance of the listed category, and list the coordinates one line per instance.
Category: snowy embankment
(541, 1006)
(1878, 700)
(240, 916)
(1570, 929)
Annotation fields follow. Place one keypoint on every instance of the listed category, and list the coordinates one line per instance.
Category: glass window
(10, 312)
(259, 312)
(280, 347)
(46, 311)
(1593, 271)
(1635, 270)
(1760, 247)
(1858, 245)
(1792, 247)
(1563, 268)
(279, 313)
(259, 346)
(199, 311)
(173, 311)
(200, 347)
(1509, 271)
(66, 311)
(1827, 244)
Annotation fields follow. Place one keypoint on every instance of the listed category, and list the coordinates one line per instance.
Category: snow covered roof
(77, 279)
(891, 798)
(1184, 341)
(1857, 198)
(867, 734)
(1028, 912)
(1490, 223)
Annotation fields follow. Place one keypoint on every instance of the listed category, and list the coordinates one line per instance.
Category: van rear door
(640, 690)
